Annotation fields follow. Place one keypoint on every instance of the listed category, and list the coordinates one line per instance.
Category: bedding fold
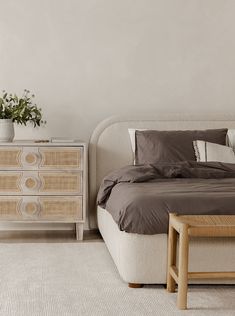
(141, 197)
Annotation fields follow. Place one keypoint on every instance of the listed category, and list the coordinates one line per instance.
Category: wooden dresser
(43, 182)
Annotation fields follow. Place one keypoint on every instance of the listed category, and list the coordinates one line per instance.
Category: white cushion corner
(206, 151)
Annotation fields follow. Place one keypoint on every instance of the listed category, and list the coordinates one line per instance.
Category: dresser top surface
(38, 143)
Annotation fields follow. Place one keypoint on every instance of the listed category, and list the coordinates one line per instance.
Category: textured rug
(80, 279)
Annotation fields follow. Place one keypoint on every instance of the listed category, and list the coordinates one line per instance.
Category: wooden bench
(197, 226)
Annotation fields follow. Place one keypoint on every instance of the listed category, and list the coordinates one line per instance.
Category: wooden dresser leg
(79, 231)
(183, 267)
(171, 260)
(135, 285)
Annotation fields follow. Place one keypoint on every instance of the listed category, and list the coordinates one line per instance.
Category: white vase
(7, 132)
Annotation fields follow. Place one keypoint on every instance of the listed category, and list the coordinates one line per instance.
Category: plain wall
(88, 59)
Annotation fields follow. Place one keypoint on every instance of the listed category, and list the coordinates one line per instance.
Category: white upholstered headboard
(110, 146)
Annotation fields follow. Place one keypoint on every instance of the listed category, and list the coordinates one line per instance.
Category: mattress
(143, 258)
(140, 198)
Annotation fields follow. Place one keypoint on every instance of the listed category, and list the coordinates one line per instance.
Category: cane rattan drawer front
(33, 208)
(10, 182)
(19, 158)
(60, 183)
(9, 208)
(62, 209)
(57, 157)
(10, 157)
(33, 158)
(41, 183)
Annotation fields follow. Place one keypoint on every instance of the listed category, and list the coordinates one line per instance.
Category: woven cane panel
(61, 182)
(66, 158)
(31, 208)
(61, 208)
(10, 157)
(9, 209)
(9, 182)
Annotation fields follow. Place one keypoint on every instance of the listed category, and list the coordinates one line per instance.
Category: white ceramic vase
(7, 131)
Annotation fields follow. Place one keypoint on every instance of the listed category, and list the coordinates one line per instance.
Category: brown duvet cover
(140, 198)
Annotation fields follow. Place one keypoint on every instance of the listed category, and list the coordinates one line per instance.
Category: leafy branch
(20, 109)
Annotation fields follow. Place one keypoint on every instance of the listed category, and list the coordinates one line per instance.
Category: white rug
(80, 279)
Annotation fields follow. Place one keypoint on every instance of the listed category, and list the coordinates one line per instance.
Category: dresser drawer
(33, 158)
(63, 157)
(9, 208)
(41, 182)
(34, 208)
(10, 157)
(62, 208)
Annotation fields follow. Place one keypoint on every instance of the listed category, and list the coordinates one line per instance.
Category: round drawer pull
(31, 208)
(31, 183)
(31, 158)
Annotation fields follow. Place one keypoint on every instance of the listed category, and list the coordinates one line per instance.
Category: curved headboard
(110, 146)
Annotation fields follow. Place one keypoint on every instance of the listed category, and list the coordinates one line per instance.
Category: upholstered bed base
(142, 258)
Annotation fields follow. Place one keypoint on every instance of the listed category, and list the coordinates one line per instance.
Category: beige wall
(89, 59)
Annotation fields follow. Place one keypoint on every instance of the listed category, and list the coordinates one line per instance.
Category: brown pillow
(171, 146)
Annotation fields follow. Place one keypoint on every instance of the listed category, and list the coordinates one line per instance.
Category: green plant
(20, 109)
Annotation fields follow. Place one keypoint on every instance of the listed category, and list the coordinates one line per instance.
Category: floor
(93, 289)
(38, 236)
(80, 279)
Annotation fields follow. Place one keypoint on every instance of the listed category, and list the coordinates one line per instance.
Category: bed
(141, 258)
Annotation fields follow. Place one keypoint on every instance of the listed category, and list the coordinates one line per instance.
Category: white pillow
(205, 151)
(132, 136)
(231, 138)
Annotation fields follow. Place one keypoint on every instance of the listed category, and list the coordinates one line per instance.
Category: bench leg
(183, 267)
(172, 241)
